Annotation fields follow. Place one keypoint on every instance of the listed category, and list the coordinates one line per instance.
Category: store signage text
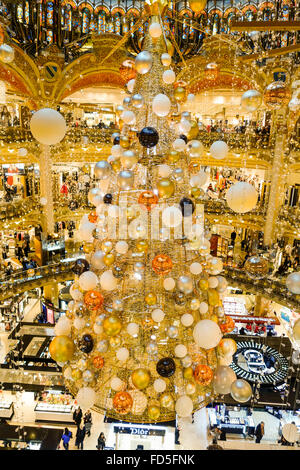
(139, 431)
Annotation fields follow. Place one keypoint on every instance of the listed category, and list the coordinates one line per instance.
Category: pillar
(51, 293)
(46, 190)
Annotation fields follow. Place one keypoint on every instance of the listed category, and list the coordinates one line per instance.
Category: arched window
(117, 23)
(85, 21)
(50, 14)
(110, 25)
(249, 15)
(27, 12)
(50, 36)
(146, 26)
(68, 17)
(215, 23)
(93, 26)
(185, 27)
(267, 14)
(124, 25)
(101, 22)
(20, 13)
(230, 17)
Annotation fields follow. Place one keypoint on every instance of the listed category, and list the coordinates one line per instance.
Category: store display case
(54, 412)
(6, 409)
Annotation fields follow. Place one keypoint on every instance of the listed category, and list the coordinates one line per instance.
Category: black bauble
(187, 206)
(117, 140)
(86, 344)
(80, 266)
(107, 199)
(166, 367)
(184, 137)
(148, 137)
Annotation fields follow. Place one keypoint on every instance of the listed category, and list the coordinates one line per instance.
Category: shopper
(259, 432)
(77, 416)
(67, 435)
(87, 419)
(80, 435)
(214, 445)
(101, 441)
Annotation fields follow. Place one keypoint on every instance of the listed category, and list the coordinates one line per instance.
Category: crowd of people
(82, 430)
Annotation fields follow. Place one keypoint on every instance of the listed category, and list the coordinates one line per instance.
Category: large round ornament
(277, 94)
(184, 406)
(293, 282)
(242, 197)
(80, 266)
(226, 346)
(161, 105)
(207, 334)
(153, 412)
(88, 280)
(122, 402)
(241, 390)
(251, 100)
(48, 126)
(166, 367)
(102, 170)
(203, 374)
(148, 199)
(7, 53)
(185, 284)
(166, 401)
(143, 62)
(224, 377)
(86, 397)
(125, 180)
(296, 331)
(290, 432)
(165, 187)
(195, 148)
(93, 299)
(61, 348)
(179, 94)
(141, 378)
(148, 137)
(162, 264)
(166, 59)
(257, 267)
(86, 344)
(112, 325)
(219, 150)
(98, 362)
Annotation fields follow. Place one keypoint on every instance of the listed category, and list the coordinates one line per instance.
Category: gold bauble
(150, 298)
(153, 412)
(141, 378)
(226, 346)
(214, 318)
(85, 169)
(116, 165)
(115, 341)
(106, 247)
(203, 284)
(165, 187)
(196, 192)
(61, 348)
(155, 7)
(277, 94)
(124, 142)
(173, 156)
(213, 297)
(88, 247)
(251, 100)
(112, 326)
(109, 259)
(76, 374)
(188, 373)
(180, 94)
(121, 124)
(197, 5)
(142, 246)
(190, 388)
(194, 131)
(166, 401)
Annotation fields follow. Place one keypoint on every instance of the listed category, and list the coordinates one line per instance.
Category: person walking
(214, 445)
(77, 416)
(87, 419)
(101, 441)
(259, 432)
(80, 435)
(67, 435)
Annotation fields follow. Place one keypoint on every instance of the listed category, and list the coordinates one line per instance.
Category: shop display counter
(49, 412)
(6, 409)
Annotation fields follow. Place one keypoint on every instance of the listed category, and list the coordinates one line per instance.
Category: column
(278, 177)
(46, 190)
(51, 293)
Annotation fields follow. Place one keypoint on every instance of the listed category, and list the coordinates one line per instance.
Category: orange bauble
(148, 199)
(162, 264)
(98, 362)
(211, 71)
(228, 325)
(203, 374)
(93, 299)
(93, 217)
(122, 402)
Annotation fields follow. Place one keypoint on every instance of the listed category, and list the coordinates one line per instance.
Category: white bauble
(116, 150)
(164, 171)
(158, 315)
(215, 265)
(98, 329)
(184, 406)
(102, 170)
(122, 354)
(130, 85)
(195, 268)
(242, 197)
(169, 77)
(187, 319)
(195, 148)
(203, 307)
(86, 397)
(143, 62)
(63, 326)
(7, 54)
(184, 126)
(161, 105)
(79, 323)
(128, 117)
(293, 282)
(219, 150)
(48, 126)
(107, 281)
(290, 432)
(88, 280)
(207, 334)
(85, 231)
(224, 377)
(241, 390)
(93, 193)
(122, 247)
(116, 384)
(180, 350)
(179, 145)
(213, 282)
(159, 385)
(172, 216)
(199, 180)
(155, 30)
(97, 259)
(133, 329)
(166, 59)
(129, 159)
(169, 283)
(75, 293)
(251, 100)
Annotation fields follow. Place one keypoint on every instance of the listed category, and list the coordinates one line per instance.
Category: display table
(232, 425)
(59, 413)
(6, 409)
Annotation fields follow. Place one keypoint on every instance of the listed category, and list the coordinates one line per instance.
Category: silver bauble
(178, 174)
(129, 159)
(172, 332)
(118, 305)
(125, 180)
(143, 62)
(137, 101)
(151, 348)
(102, 170)
(251, 100)
(102, 346)
(186, 361)
(185, 284)
(293, 282)
(223, 378)
(241, 391)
